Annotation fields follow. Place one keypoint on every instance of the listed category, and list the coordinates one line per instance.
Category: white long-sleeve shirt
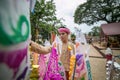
(108, 51)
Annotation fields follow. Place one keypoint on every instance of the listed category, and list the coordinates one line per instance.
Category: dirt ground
(97, 64)
(98, 68)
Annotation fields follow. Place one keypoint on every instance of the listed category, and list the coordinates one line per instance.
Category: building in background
(110, 33)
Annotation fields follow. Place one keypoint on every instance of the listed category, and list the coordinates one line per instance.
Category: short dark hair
(108, 44)
(62, 27)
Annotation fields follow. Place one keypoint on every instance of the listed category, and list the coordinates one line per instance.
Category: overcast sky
(65, 9)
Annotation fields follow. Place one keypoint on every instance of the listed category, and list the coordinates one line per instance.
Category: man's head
(64, 32)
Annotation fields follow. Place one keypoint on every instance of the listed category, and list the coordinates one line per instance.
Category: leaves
(43, 19)
(95, 31)
(98, 10)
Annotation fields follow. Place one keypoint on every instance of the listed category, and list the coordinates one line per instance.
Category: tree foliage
(95, 31)
(43, 19)
(98, 10)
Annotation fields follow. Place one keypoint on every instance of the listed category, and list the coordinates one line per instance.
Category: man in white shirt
(108, 52)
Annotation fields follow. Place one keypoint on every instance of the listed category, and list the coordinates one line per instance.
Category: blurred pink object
(42, 66)
(52, 72)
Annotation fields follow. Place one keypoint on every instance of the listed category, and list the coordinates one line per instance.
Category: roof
(111, 29)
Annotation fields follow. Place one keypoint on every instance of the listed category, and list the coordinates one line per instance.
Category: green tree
(98, 10)
(43, 19)
(90, 33)
(95, 31)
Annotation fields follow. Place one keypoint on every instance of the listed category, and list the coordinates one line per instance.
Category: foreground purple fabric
(13, 61)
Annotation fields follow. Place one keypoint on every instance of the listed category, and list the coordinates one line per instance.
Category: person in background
(90, 41)
(64, 52)
(108, 52)
(73, 38)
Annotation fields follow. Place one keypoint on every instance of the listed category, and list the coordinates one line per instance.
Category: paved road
(97, 64)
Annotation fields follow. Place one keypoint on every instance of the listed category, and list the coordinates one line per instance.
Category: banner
(15, 35)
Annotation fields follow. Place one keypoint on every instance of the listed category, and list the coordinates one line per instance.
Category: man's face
(63, 36)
